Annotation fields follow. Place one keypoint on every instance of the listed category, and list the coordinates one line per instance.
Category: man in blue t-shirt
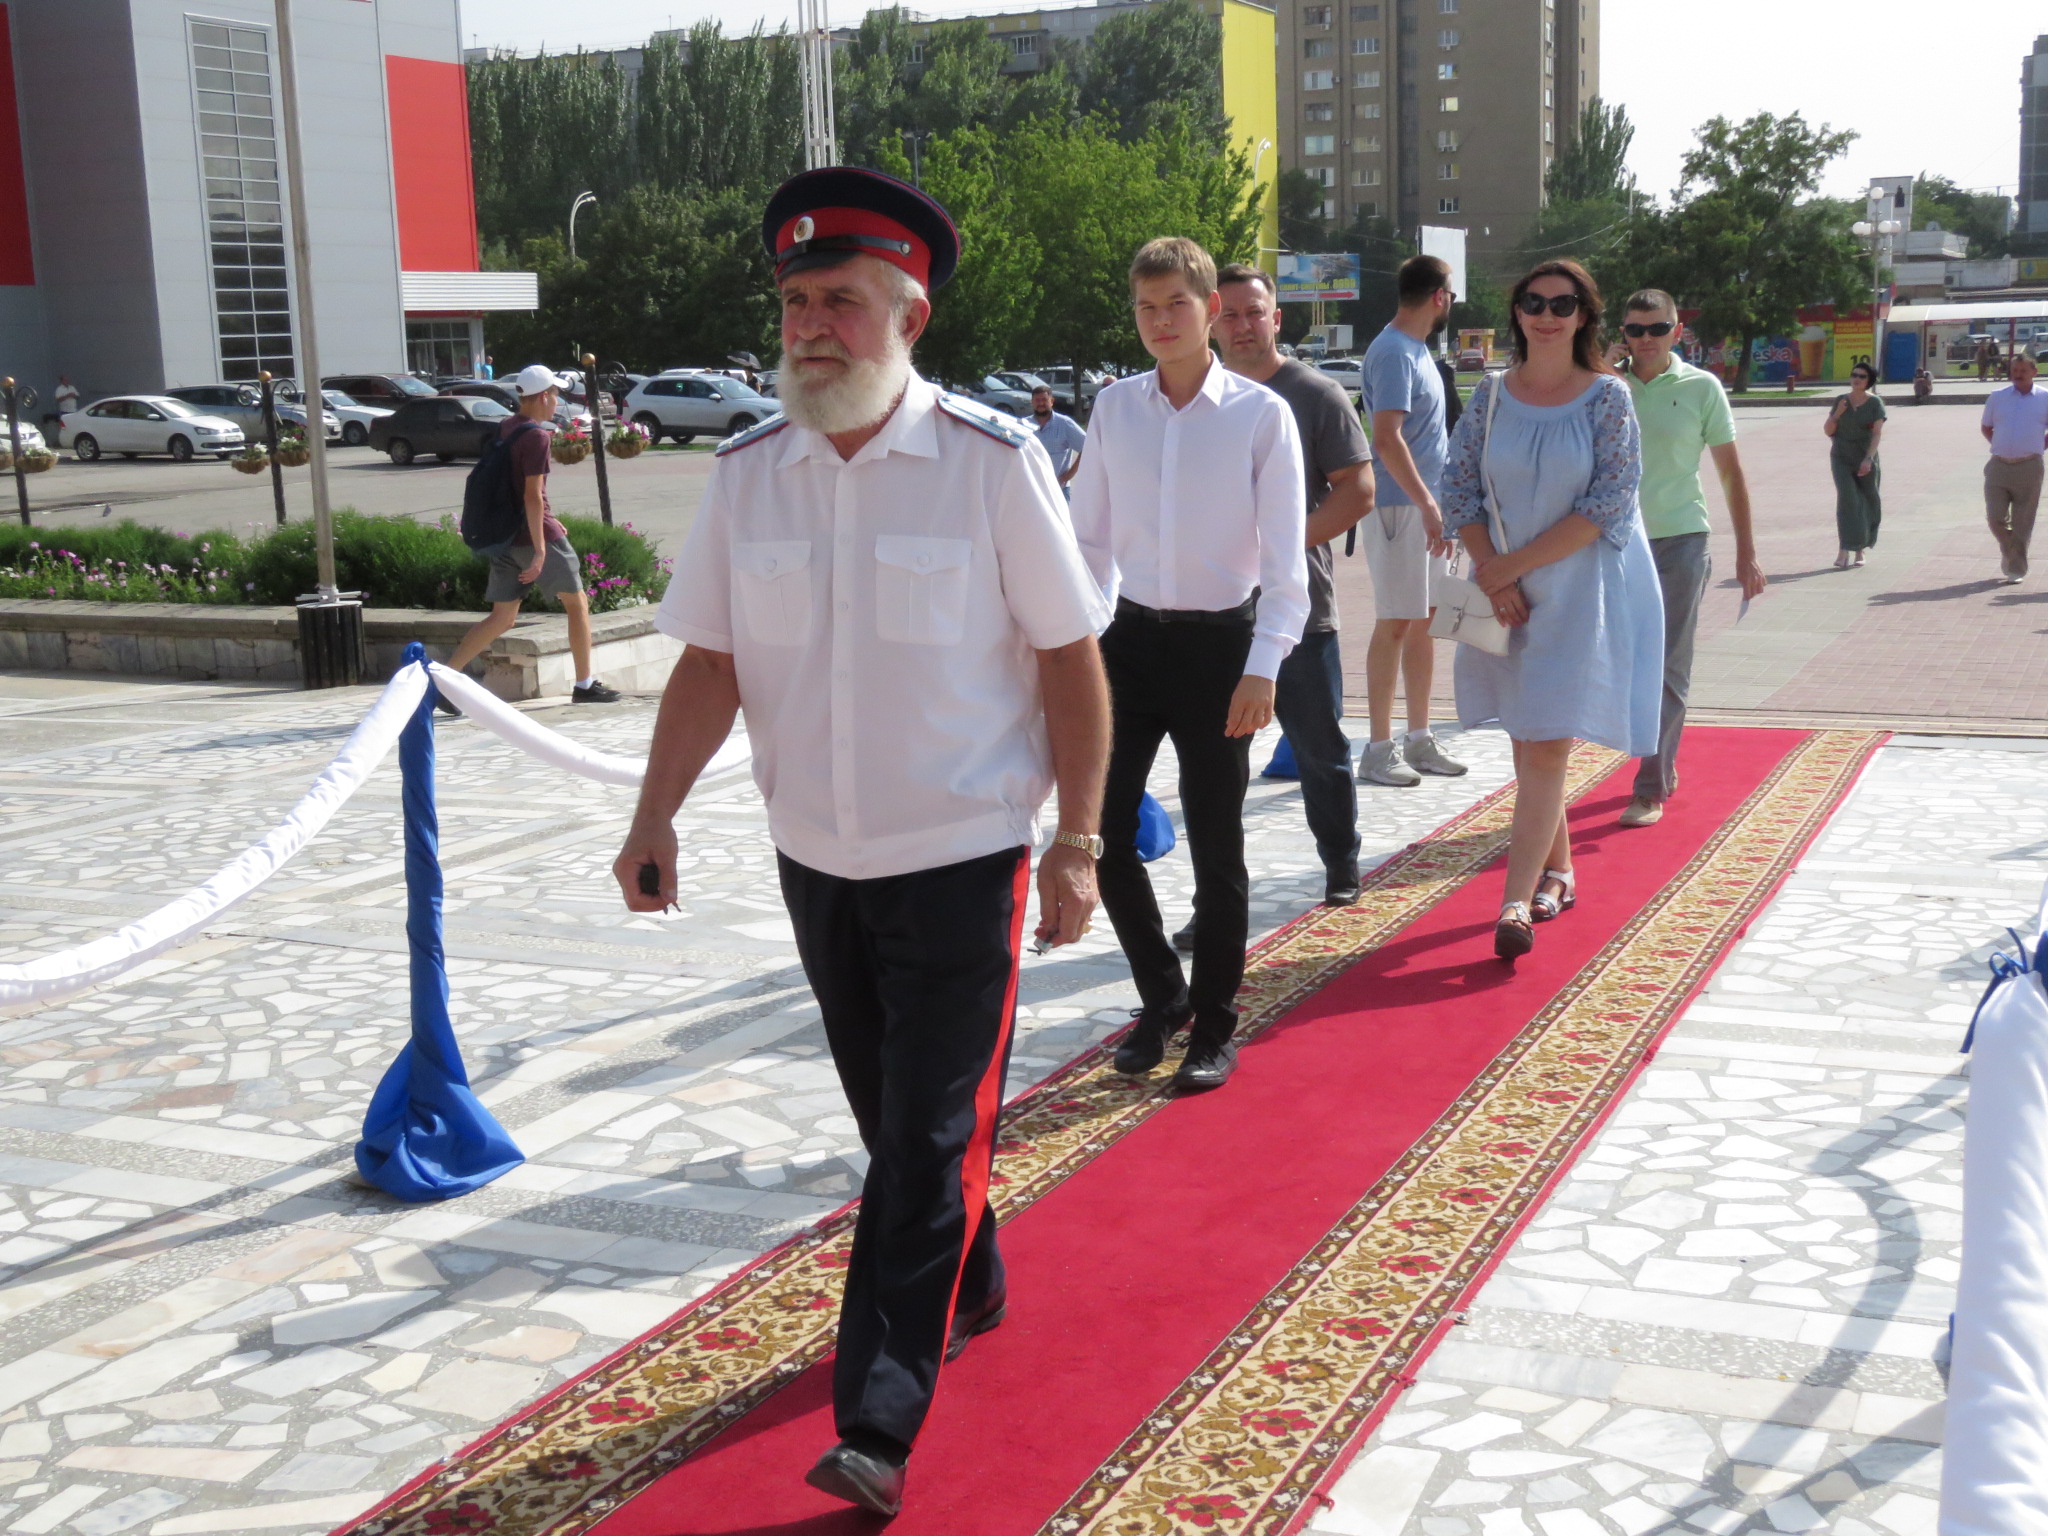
(1404, 539)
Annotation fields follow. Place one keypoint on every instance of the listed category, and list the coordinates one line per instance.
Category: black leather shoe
(1207, 1066)
(972, 1325)
(1341, 890)
(1184, 941)
(858, 1478)
(441, 703)
(1145, 1045)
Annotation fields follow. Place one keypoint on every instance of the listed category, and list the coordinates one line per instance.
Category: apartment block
(1434, 111)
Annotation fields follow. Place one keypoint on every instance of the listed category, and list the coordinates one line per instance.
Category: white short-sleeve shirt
(881, 613)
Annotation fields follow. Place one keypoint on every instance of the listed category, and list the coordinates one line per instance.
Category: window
(1365, 178)
(1547, 102)
(1368, 144)
(1549, 34)
(1368, 210)
(1022, 46)
(1366, 79)
(1365, 13)
(1447, 71)
(1319, 144)
(1329, 209)
(1365, 45)
(1448, 38)
(1322, 175)
(1447, 104)
(1548, 136)
(439, 347)
(1321, 112)
(917, 52)
(1447, 171)
(1447, 205)
(1315, 15)
(244, 217)
(1549, 63)
(1318, 80)
(1365, 109)
(1447, 141)
(1318, 48)
(1447, 7)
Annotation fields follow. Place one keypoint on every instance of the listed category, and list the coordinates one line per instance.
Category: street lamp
(583, 200)
(1878, 232)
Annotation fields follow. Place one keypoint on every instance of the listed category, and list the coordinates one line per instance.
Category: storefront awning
(1957, 314)
(468, 292)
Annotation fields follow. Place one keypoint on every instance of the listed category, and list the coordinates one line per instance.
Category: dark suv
(447, 426)
(384, 390)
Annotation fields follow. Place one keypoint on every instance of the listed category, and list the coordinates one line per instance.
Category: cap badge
(804, 229)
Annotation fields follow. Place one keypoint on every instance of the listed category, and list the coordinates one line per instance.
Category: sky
(1930, 89)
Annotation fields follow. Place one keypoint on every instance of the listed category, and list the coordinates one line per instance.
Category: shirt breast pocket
(921, 589)
(774, 581)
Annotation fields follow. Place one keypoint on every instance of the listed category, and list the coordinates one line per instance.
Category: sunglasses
(1652, 328)
(1562, 305)
(1864, 375)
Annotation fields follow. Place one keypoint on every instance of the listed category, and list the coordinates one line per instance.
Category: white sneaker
(1380, 765)
(1425, 756)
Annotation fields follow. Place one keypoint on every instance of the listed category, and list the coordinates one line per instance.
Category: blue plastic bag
(1155, 830)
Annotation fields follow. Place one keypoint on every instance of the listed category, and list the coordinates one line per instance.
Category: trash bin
(331, 640)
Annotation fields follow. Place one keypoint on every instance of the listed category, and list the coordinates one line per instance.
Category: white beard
(860, 397)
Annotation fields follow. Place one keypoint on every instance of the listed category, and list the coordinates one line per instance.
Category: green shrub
(395, 562)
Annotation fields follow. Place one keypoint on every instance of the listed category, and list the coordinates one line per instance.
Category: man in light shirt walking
(1060, 436)
(1190, 510)
(2015, 424)
(1684, 412)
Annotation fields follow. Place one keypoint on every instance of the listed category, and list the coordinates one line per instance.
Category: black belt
(1240, 617)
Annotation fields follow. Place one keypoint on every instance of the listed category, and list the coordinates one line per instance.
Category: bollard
(331, 640)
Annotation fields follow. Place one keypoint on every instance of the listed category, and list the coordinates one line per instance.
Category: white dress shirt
(1197, 507)
(882, 612)
(2018, 422)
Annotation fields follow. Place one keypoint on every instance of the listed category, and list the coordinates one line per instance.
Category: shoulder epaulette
(984, 419)
(753, 434)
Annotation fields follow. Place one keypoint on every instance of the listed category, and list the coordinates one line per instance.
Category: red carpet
(1160, 1267)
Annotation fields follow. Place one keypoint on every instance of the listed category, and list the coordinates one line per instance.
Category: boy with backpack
(505, 519)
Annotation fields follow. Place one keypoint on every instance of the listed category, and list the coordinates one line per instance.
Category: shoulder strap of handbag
(1495, 527)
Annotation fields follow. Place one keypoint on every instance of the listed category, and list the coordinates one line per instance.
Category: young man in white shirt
(2014, 424)
(885, 580)
(1191, 510)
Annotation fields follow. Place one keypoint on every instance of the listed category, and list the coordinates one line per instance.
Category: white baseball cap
(536, 377)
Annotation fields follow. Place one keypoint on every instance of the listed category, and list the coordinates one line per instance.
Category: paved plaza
(1728, 1320)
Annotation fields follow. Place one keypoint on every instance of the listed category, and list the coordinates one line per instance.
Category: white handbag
(1463, 612)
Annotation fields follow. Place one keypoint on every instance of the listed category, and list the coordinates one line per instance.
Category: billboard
(1449, 244)
(1312, 279)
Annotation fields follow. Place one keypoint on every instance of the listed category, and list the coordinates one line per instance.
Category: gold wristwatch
(1087, 842)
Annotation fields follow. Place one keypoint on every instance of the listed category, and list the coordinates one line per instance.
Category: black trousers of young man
(916, 976)
(1171, 678)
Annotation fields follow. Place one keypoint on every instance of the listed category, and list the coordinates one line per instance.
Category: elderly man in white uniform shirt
(885, 580)
(1191, 506)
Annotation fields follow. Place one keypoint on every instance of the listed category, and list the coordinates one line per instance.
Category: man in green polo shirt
(1682, 409)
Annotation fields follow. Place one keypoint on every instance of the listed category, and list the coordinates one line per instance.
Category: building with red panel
(143, 236)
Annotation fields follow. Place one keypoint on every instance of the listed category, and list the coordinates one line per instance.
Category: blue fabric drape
(1282, 765)
(426, 1136)
(1155, 829)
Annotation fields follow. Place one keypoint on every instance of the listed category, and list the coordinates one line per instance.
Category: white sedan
(136, 424)
(31, 439)
(356, 418)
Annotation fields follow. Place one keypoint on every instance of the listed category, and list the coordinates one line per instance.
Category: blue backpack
(493, 500)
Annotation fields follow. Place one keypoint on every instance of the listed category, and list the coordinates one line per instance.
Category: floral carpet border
(1239, 1448)
(576, 1456)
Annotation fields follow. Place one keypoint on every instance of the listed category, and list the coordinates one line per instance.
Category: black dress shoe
(1184, 941)
(859, 1478)
(441, 703)
(1146, 1043)
(971, 1325)
(1207, 1066)
(1340, 890)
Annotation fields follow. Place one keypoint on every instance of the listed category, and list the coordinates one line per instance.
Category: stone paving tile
(209, 1326)
(1732, 1317)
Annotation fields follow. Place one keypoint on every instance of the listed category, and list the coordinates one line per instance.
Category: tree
(543, 130)
(1747, 243)
(1154, 62)
(1302, 226)
(1984, 217)
(718, 111)
(1594, 164)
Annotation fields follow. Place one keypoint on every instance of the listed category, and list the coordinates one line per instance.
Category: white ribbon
(94, 964)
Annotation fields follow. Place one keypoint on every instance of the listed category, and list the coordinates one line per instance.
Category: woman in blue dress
(1576, 584)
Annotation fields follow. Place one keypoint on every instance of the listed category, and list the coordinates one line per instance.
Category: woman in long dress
(1576, 584)
(1855, 425)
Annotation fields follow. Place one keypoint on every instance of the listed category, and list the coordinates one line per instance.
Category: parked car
(31, 439)
(386, 389)
(355, 417)
(243, 405)
(566, 414)
(131, 425)
(1348, 371)
(993, 391)
(1061, 379)
(1471, 360)
(446, 426)
(684, 403)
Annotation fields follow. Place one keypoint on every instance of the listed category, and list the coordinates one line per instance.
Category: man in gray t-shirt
(1308, 695)
(1404, 543)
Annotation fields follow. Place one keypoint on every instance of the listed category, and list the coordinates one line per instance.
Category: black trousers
(1308, 701)
(1173, 680)
(916, 976)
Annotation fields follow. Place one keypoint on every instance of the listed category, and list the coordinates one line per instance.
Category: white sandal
(1544, 906)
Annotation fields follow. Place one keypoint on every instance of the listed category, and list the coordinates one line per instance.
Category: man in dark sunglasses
(1683, 410)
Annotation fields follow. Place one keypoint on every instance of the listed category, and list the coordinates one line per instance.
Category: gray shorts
(558, 573)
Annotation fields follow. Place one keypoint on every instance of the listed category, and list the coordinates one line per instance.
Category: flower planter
(251, 463)
(573, 452)
(6, 461)
(35, 461)
(293, 455)
(626, 445)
